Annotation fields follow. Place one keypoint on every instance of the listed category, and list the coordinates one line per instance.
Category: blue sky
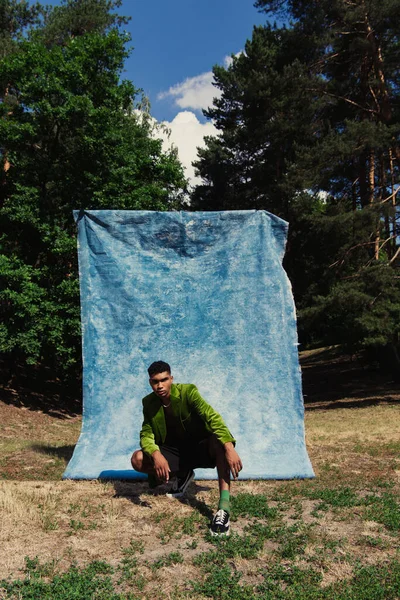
(178, 39)
(176, 43)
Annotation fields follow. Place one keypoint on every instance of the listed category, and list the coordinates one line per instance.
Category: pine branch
(369, 110)
(390, 197)
(396, 254)
(341, 260)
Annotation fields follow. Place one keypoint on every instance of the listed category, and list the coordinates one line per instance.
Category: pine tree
(309, 128)
(261, 115)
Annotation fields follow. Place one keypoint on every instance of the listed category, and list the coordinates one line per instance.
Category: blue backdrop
(206, 292)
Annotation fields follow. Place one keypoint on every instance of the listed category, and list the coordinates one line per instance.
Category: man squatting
(181, 432)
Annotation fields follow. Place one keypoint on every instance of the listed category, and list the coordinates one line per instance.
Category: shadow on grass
(323, 405)
(64, 452)
(343, 381)
(134, 490)
(36, 388)
(131, 490)
(199, 505)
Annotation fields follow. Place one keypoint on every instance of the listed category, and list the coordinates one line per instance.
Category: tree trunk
(6, 163)
(385, 107)
(393, 203)
(371, 199)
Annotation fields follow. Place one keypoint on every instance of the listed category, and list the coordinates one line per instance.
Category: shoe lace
(221, 517)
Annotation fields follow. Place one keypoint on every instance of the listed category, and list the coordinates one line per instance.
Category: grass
(334, 537)
(93, 581)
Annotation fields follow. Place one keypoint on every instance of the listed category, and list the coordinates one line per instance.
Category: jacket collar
(174, 396)
(175, 392)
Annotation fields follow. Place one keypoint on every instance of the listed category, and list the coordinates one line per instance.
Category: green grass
(219, 581)
(91, 582)
(223, 583)
(128, 567)
(252, 505)
(280, 581)
(172, 558)
(388, 449)
(273, 553)
(175, 528)
(368, 583)
(293, 540)
(384, 509)
(343, 497)
(269, 546)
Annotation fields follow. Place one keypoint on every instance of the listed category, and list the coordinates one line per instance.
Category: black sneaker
(180, 485)
(220, 523)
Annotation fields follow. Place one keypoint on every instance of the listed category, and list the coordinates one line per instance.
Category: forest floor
(336, 536)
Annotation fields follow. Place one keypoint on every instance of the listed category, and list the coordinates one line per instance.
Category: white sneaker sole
(220, 533)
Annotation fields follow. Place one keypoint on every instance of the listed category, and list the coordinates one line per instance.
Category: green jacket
(197, 418)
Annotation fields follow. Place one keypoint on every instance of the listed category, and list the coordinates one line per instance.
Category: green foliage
(293, 582)
(384, 509)
(74, 18)
(339, 497)
(174, 528)
(15, 17)
(309, 129)
(263, 110)
(71, 138)
(374, 582)
(244, 546)
(222, 583)
(128, 565)
(94, 581)
(293, 541)
(252, 505)
(364, 309)
(378, 583)
(172, 558)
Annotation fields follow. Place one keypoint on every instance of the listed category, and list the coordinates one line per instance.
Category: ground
(336, 536)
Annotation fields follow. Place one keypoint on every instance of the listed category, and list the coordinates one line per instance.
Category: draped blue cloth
(207, 293)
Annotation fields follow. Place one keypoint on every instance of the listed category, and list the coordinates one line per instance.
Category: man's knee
(215, 445)
(137, 460)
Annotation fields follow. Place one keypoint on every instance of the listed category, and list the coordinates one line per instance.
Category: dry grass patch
(35, 445)
(297, 537)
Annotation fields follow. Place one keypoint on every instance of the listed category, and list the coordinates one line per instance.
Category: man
(181, 432)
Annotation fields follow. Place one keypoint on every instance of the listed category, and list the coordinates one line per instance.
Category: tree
(309, 128)
(74, 18)
(15, 17)
(74, 140)
(262, 112)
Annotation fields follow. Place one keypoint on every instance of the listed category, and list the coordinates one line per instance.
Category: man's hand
(233, 460)
(161, 466)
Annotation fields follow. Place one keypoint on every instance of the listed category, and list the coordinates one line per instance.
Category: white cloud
(228, 60)
(187, 134)
(186, 131)
(195, 92)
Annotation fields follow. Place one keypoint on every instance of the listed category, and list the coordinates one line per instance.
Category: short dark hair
(158, 367)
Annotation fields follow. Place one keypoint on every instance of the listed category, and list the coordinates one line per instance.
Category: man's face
(161, 384)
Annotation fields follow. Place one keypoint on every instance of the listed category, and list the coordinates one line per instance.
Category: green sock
(224, 501)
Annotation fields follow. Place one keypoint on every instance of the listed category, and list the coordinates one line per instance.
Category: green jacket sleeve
(211, 418)
(147, 440)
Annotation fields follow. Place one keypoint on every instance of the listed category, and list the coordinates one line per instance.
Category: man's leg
(220, 522)
(142, 462)
(224, 478)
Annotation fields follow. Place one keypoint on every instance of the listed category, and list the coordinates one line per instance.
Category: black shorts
(193, 456)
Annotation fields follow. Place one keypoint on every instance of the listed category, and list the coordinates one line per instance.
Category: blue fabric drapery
(206, 292)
